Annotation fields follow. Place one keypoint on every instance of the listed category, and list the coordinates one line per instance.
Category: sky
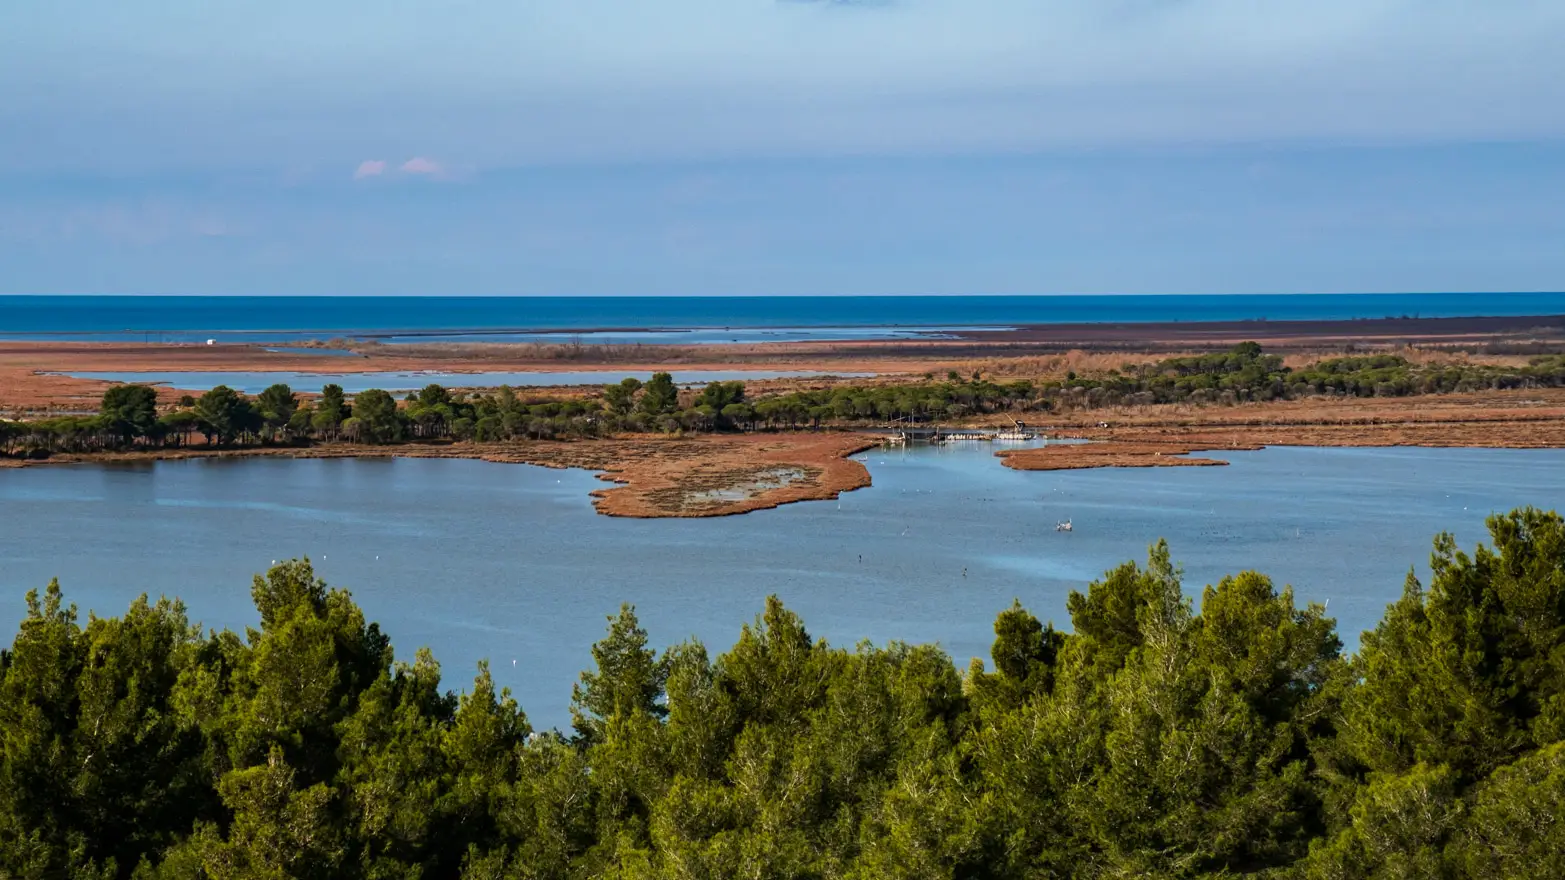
(781, 146)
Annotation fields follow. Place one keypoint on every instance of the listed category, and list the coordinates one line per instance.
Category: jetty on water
(898, 435)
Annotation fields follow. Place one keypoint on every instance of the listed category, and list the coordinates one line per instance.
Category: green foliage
(1159, 738)
(277, 405)
(331, 411)
(130, 411)
(621, 398)
(223, 414)
(1466, 674)
(660, 395)
(376, 417)
(628, 682)
(720, 394)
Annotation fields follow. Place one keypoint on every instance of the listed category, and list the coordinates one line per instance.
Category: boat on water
(1063, 526)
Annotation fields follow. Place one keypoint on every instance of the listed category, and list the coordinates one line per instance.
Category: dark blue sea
(689, 319)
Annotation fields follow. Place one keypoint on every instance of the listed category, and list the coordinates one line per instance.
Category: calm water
(695, 335)
(353, 383)
(157, 318)
(510, 562)
(315, 352)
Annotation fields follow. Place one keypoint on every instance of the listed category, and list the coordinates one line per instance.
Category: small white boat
(1063, 526)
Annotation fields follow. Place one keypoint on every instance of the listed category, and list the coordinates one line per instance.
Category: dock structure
(899, 434)
(964, 435)
(919, 433)
(1019, 432)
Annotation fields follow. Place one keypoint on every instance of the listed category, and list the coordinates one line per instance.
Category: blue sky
(755, 146)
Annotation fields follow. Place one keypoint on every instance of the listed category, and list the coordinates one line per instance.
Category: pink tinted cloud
(370, 168)
(421, 165)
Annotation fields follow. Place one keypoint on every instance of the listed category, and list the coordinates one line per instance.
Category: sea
(692, 320)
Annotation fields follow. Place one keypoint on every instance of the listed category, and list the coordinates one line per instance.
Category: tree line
(129, 415)
(1243, 374)
(1156, 738)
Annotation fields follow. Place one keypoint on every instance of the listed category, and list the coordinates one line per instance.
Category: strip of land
(1166, 436)
(26, 383)
(720, 473)
(726, 474)
(655, 476)
(1281, 334)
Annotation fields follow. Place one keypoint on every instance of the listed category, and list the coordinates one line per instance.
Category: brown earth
(658, 476)
(1161, 436)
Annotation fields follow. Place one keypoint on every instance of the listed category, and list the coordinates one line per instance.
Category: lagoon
(413, 380)
(510, 562)
(698, 335)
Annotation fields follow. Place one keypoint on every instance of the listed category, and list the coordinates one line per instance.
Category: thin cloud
(421, 165)
(369, 168)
